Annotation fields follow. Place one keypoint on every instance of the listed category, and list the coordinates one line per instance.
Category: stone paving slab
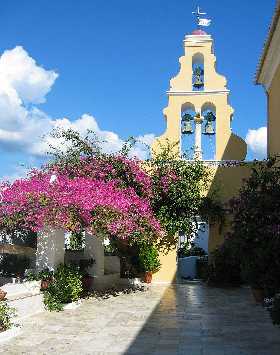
(180, 319)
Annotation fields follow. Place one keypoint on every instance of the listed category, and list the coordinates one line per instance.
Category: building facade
(268, 75)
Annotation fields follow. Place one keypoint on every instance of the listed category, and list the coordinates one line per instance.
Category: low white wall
(187, 267)
(112, 265)
(25, 297)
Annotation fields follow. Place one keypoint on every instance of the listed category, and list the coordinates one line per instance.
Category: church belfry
(198, 114)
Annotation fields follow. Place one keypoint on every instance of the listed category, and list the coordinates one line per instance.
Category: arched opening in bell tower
(208, 111)
(187, 130)
(198, 72)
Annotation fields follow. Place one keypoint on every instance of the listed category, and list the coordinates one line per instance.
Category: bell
(187, 127)
(209, 129)
(198, 83)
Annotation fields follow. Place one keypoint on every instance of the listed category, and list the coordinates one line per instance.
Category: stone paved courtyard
(182, 319)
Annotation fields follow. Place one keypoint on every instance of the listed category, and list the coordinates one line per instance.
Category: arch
(208, 106)
(187, 129)
(198, 59)
(187, 107)
(198, 72)
(208, 111)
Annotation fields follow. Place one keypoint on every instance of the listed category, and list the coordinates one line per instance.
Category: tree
(255, 235)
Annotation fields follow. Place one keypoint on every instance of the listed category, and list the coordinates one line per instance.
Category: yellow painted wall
(273, 125)
(167, 272)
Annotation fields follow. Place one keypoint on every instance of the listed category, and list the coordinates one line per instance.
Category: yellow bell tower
(198, 103)
(198, 108)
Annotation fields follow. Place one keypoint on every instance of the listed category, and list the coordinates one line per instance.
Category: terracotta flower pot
(148, 277)
(87, 283)
(258, 294)
(2, 295)
(45, 284)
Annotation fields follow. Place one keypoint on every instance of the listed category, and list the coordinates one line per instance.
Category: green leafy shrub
(43, 275)
(6, 314)
(148, 258)
(193, 250)
(77, 241)
(66, 287)
(177, 191)
(224, 268)
(256, 226)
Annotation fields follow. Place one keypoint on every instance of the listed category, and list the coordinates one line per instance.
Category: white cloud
(111, 142)
(257, 142)
(21, 75)
(24, 85)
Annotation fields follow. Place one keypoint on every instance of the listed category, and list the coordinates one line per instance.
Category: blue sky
(114, 60)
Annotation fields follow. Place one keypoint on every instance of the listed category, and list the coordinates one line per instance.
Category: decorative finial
(201, 21)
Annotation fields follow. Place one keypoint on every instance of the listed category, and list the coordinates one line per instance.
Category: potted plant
(87, 280)
(148, 260)
(46, 277)
(253, 274)
(2, 294)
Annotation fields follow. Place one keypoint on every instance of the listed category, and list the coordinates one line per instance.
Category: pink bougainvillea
(125, 172)
(93, 195)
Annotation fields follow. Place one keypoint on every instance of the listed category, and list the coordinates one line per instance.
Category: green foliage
(6, 314)
(176, 194)
(177, 207)
(212, 210)
(148, 258)
(224, 269)
(190, 250)
(66, 287)
(84, 265)
(43, 275)
(256, 226)
(110, 249)
(76, 147)
(76, 241)
(18, 237)
(12, 265)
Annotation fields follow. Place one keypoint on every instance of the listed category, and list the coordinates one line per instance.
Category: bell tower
(198, 104)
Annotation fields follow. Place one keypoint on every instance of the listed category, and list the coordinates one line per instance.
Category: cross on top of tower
(201, 22)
